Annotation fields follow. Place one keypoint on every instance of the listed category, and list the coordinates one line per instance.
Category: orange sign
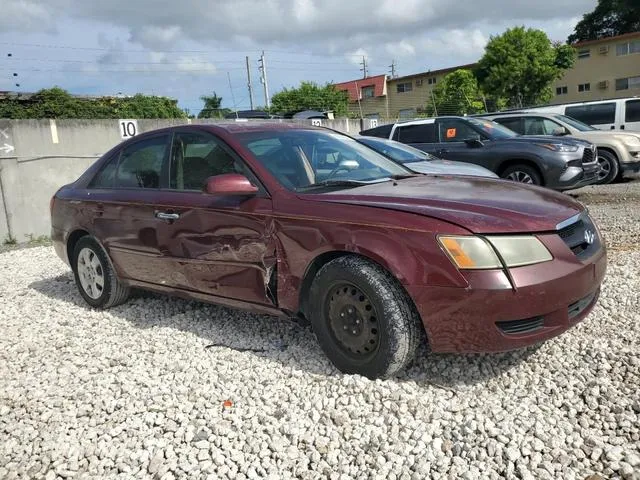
(451, 132)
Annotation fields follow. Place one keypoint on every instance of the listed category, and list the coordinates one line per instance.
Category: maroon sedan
(309, 223)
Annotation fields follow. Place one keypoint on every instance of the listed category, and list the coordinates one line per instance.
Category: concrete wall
(39, 156)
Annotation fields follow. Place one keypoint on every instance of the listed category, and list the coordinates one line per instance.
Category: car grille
(513, 327)
(589, 155)
(578, 307)
(581, 237)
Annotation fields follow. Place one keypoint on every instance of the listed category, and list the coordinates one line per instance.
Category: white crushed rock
(134, 392)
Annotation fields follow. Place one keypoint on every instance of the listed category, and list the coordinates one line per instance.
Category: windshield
(493, 130)
(577, 124)
(300, 159)
(397, 151)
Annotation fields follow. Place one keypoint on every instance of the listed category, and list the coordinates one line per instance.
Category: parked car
(613, 114)
(618, 150)
(423, 162)
(373, 255)
(556, 163)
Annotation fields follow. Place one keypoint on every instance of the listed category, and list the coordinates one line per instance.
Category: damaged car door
(219, 244)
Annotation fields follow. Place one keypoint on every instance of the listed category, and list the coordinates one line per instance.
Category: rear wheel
(609, 167)
(94, 275)
(363, 319)
(522, 174)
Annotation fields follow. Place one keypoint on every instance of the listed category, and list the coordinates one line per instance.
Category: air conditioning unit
(604, 49)
(603, 85)
(419, 82)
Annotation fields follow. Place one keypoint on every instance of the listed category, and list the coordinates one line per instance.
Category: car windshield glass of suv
(398, 151)
(577, 124)
(493, 130)
(304, 159)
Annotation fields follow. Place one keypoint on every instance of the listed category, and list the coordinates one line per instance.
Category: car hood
(542, 139)
(481, 205)
(449, 167)
(608, 134)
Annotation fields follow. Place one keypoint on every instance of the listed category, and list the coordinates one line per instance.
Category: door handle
(442, 151)
(167, 216)
(621, 127)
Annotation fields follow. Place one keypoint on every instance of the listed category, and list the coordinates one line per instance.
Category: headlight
(558, 147)
(470, 252)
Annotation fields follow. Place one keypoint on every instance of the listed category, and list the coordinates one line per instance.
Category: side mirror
(561, 131)
(474, 142)
(234, 184)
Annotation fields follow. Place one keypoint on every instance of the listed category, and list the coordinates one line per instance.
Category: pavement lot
(135, 392)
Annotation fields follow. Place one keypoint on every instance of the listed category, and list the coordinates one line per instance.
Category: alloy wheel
(90, 273)
(519, 176)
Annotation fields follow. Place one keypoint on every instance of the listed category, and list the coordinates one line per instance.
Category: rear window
(425, 133)
(383, 131)
(597, 114)
(633, 111)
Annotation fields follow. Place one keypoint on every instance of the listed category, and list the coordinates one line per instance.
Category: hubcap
(90, 273)
(519, 176)
(353, 320)
(605, 168)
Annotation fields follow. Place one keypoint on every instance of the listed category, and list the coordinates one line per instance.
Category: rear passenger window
(513, 124)
(596, 114)
(632, 111)
(106, 176)
(425, 133)
(141, 164)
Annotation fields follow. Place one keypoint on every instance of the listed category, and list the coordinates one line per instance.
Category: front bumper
(630, 166)
(491, 316)
(577, 177)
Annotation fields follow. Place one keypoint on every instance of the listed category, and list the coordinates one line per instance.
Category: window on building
(584, 87)
(584, 53)
(562, 90)
(632, 111)
(594, 114)
(404, 87)
(628, 48)
(367, 92)
(627, 83)
(431, 80)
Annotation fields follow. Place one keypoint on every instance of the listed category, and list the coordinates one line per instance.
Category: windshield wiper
(340, 183)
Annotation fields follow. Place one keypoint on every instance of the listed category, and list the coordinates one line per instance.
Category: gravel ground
(137, 392)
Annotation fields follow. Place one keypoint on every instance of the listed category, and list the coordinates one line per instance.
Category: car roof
(521, 114)
(426, 121)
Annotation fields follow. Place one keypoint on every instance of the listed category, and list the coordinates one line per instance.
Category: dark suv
(557, 163)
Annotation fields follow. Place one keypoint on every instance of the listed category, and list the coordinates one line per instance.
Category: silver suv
(618, 150)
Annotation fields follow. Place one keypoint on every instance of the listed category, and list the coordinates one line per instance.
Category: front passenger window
(195, 157)
(456, 131)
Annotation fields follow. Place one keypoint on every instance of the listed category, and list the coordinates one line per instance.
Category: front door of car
(453, 145)
(121, 204)
(221, 245)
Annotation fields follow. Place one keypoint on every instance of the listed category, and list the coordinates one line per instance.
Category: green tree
(212, 107)
(457, 94)
(310, 96)
(521, 64)
(608, 19)
(58, 103)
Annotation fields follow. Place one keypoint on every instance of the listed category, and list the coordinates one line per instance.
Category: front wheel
(522, 174)
(94, 275)
(609, 168)
(363, 319)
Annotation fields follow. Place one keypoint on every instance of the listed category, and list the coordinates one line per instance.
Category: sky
(188, 48)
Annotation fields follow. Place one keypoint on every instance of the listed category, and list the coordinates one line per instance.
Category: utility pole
(393, 69)
(233, 97)
(263, 79)
(364, 67)
(249, 83)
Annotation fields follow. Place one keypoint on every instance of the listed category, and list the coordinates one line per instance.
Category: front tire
(95, 277)
(522, 174)
(609, 168)
(363, 319)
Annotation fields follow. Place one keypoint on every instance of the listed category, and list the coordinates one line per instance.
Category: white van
(615, 114)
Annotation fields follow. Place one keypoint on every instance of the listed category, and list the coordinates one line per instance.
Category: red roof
(379, 84)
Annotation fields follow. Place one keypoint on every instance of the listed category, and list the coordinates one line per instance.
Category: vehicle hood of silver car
(449, 167)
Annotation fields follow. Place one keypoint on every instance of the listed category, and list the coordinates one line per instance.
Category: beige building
(605, 69)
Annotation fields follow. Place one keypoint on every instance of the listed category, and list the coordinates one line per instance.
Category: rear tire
(609, 167)
(522, 174)
(95, 277)
(364, 321)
